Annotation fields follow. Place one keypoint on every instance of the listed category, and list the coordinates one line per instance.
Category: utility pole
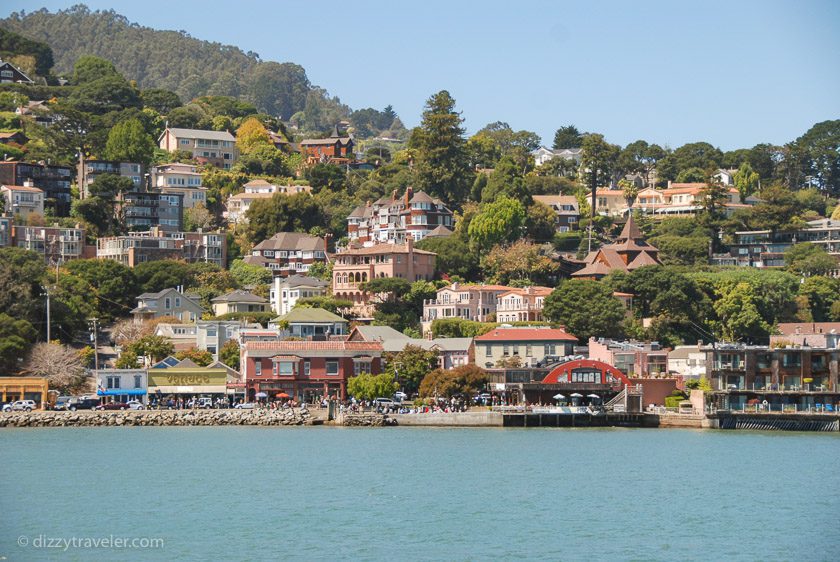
(94, 325)
(46, 293)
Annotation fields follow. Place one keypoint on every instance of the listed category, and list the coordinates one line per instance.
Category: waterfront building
(687, 361)
(185, 380)
(287, 253)
(25, 388)
(122, 385)
(807, 334)
(526, 346)
(766, 248)
(452, 352)
(207, 335)
(628, 253)
(633, 358)
(684, 200)
(217, 148)
(394, 219)
(306, 370)
(158, 244)
(53, 181)
(286, 291)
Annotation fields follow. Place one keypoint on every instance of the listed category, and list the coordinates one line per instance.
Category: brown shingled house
(628, 253)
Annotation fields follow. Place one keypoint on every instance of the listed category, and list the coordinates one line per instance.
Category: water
(250, 493)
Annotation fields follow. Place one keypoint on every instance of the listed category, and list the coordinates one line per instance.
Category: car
(204, 402)
(399, 396)
(113, 406)
(61, 402)
(245, 406)
(20, 406)
(135, 405)
(82, 403)
(383, 402)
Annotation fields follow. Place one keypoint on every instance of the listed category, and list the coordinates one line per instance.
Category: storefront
(24, 388)
(180, 384)
(121, 385)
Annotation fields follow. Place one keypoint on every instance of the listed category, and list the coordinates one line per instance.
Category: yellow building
(25, 388)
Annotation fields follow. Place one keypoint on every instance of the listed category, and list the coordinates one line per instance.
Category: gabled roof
(378, 333)
(305, 314)
(631, 231)
(26, 188)
(642, 260)
(292, 241)
(298, 280)
(200, 134)
(439, 231)
(556, 201)
(421, 197)
(526, 335)
(239, 296)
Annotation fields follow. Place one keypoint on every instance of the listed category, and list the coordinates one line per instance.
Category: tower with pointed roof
(629, 252)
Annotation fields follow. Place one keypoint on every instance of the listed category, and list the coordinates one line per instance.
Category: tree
(587, 308)
(99, 210)
(334, 305)
(155, 276)
(229, 354)
(323, 175)
(114, 284)
(283, 213)
(248, 275)
(367, 386)
(129, 142)
(251, 134)
(21, 274)
(442, 168)
(162, 101)
(747, 181)
(498, 222)
(465, 380)
(410, 365)
(89, 68)
(598, 161)
(200, 357)
(639, 157)
(819, 148)
(520, 263)
(807, 259)
(540, 223)
(777, 210)
(155, 347)
(59, 364)
(506, 180)
(739, 316)
(567, 136)
(16, 337)
(453, 256)
(700, 155)
(822, 293)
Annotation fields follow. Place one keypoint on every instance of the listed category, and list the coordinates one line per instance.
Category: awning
(122, 392)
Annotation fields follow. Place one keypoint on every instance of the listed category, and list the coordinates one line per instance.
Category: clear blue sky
(734, 73)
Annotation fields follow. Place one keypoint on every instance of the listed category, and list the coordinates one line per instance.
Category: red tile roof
(297, 345)
(526, 334)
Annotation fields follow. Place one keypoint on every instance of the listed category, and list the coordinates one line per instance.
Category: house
(238, 302)
(634, 359)
(628, 253)
(287, 253)
(23, 200)
(88, 170)
(122, 385)
(180, 179)
(687, 361)
(566, 210)
(470, 302)
(684, 199)
(335, 149)
(143, 210)
(609, 202)
(13, 137)
(10, 74)
(206, 147)
(6, 228)
(393, 219)
(354, 266)
(39, 111)
(726, 176)
(306, 370)
(305, 322)
(543, 155)
(452, 352)
(56, 244)
(807, 334)
(157, 244)
(521, 305)
(54, 181)
(182, 336)
(286, 291)
(205, 335)
(528, 346)
(255, 190)
(168, 302)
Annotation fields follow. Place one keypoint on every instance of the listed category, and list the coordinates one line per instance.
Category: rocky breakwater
(156, 418)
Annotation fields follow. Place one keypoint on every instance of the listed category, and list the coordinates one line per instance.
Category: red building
(335, 149)
(306, 370)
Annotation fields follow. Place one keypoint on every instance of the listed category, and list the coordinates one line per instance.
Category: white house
(286, 291)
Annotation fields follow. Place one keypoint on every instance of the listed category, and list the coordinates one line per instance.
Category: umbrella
(592, 396)
(576, 395)
(558, 397)
(261, 395)
(282, 395)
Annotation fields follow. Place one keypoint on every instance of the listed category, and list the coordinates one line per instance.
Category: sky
(733, 73)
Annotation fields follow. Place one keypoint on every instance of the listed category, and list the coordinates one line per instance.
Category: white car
(246, 406)
(400, 395)
(135, 405)
(20, 406)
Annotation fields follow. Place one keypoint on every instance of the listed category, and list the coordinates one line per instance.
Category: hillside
(145, 55)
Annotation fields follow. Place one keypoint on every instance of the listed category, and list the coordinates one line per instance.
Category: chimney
(409, 244)
(409, 193)
(28, 183)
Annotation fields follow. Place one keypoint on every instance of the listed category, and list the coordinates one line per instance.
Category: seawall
(155, 418)
(461, 419)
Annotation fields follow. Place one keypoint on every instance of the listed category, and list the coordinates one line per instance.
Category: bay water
(255, 493)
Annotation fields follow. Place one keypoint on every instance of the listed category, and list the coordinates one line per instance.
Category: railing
(817, 408)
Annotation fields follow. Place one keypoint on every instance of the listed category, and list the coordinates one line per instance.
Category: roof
(474, 287)
(298, 280)
(528, 291)
(303, 314)
(246, 195)
(200, 134)
(526, 335)
(453, 344)
(379, 333)
(292, 241)
(384, 249)
(593, 269)
(641, 260)
(289, 347)
(557, 200)
(808, 328)
(421, 197)
(439, 231)
(23, 188)
(239, 296)
(327, 141)
(631, 231)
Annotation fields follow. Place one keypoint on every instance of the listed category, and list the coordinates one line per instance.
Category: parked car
(245, 406)
(61, 403)
(383, 402)
(399, 396)
(113, 406)
(20, 406)
(135, 405)
(203, 402)
(82, 403)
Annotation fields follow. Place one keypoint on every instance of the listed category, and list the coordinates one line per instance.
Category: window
(549, 349)
(177, 302)
(488, 351)
(138, 381)
(505, 350)
(257, 368)
(113, 382)
(360, 367)
(515, 349)
(306, 368)
(167, 304)
(528, 350)
(332, 368)
(285, 368)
